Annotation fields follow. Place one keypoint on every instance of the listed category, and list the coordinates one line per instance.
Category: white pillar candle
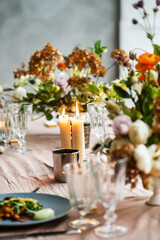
(78, 135)
(65, 131)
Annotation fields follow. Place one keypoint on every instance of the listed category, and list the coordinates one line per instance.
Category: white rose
(143, 158)
(139, 132)
(1, 89)
(19, 93)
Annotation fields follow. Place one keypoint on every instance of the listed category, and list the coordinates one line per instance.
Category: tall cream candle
(65, 131)
(78, 136)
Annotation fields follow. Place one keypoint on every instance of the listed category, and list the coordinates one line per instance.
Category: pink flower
(121, 125)
(61, 80)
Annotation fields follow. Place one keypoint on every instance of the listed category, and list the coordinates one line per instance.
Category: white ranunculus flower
(137, 86)
(139, 132)
(143, 158)
(1, 89)
(19, 93)
(153, 75)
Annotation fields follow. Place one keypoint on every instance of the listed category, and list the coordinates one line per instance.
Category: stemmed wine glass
(5, 128)
(111, 181)
(97, 112)
(81, 185)
(20, 108)
(21, 122)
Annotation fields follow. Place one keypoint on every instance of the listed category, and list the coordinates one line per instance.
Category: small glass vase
(154, 200)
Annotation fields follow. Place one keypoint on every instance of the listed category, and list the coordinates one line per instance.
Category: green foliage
(92, 88)
(152, 140)
(121, 92)
(98, 49)
(133, 113)
(156, 49)
(149, 36)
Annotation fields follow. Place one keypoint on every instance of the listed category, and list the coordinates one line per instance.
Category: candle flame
(77, 110)
(63, 112)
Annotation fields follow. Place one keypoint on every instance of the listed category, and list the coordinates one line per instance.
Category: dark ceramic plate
(60, 205)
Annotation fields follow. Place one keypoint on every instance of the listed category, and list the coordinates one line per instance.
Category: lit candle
(65, 130)
(78, 134)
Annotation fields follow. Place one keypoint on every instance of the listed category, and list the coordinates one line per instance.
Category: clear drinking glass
(111, 182)
(21, 123)
(96, 112)
(15, 108)
(20, 107)
(5, 128)
(81, 185)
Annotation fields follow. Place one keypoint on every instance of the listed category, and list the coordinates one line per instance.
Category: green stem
(132, 96)
(146, 27)
(139, 49)
(111, 66)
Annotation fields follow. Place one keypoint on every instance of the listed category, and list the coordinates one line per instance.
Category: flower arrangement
(137, 125)
(53, 81)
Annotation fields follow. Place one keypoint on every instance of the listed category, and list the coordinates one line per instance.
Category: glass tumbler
(81, 185)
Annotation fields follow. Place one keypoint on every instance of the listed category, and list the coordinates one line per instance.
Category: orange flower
(141, 77)
(61, 66)
(148, 59)
(144, 67)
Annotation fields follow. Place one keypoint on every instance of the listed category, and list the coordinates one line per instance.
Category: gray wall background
(27, 25)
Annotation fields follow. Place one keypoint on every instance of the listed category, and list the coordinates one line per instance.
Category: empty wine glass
(21, 123)
(20, 107)
(101, 125)
(111, 181)
(96, 112)
(5, 128)
(81, 185)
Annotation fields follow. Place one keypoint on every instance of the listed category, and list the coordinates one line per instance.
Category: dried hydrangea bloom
(43, 62)
(127, 151)
(18, 72)
(121, 57)
(156, 104)
(156, 122)
(78, 81)
(84, 59)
